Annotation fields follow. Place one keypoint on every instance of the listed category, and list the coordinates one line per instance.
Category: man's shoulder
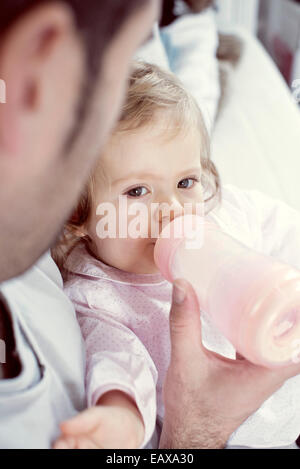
(38, 293)
(47, 267)
(45, 314)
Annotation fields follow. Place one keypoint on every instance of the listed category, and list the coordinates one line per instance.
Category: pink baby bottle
(253, 299)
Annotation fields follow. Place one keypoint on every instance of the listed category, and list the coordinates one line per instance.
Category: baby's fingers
(87, 443)
(66, 442)
(84, 422)
(70, 442)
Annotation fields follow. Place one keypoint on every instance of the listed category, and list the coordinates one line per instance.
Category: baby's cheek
(136, 255)
(125, 254)
(138, 222)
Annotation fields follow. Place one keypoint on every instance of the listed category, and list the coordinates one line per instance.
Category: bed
(256, 137)
(254, 119)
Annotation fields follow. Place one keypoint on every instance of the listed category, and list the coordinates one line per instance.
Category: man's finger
(185, 323)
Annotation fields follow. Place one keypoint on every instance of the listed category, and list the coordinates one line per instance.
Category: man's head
(65, 65)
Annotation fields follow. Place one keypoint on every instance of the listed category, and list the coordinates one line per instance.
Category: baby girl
(158, 156)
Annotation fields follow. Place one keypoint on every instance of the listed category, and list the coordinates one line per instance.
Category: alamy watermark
(2, 92)
(2, 352)
(138, 220)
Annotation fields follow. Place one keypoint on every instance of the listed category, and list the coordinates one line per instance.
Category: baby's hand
(114, 423)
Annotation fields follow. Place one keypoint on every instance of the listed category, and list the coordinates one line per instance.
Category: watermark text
(139, 220)
(2, 92)
(2, 352)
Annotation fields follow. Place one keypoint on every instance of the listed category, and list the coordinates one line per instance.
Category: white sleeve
(191, 43)
(117, 359)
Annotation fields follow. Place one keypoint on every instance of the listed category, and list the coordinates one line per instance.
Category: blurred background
(275, 22)
(241, 61)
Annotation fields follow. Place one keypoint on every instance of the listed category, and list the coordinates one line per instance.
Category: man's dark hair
(98, 21)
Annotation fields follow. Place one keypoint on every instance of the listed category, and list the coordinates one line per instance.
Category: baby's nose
(166, 212)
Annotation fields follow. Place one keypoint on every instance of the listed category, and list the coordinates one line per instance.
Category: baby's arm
(120, 378)
(115, 422)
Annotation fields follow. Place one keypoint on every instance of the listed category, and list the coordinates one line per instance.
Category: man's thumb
(185, 323)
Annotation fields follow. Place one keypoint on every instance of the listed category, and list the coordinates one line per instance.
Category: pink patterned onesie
(124, 318)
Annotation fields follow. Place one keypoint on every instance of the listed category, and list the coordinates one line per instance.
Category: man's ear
(31, 57)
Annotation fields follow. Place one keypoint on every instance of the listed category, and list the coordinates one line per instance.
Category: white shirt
(50, 388)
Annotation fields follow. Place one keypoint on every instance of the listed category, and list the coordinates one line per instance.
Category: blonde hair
(151, 90)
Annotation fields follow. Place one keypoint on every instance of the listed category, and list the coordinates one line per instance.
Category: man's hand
(207, 396)
(114, 423)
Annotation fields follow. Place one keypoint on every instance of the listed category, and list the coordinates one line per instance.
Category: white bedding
(188, 48)
(256, 140)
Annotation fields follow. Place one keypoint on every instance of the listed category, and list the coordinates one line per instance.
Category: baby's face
(159, 171)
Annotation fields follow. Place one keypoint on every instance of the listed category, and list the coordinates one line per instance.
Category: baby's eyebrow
(190, 171)
(137, 176)
(185, 172)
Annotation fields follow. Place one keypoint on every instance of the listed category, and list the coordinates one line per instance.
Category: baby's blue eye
(137, 191)
(186, 183)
